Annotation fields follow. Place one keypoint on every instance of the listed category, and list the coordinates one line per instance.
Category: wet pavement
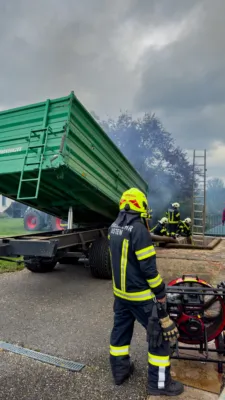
(67, 313)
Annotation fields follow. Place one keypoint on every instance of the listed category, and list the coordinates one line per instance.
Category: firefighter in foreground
(160, 229)
(139, 295)
(173, 215)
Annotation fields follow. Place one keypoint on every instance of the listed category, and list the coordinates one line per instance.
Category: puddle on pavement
(197, 375)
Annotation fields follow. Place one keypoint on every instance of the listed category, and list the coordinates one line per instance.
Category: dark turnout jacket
(133, 257)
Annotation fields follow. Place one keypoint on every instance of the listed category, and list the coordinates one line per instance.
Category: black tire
(38, 265)
(55, 224)
(38, 225)
(99, 259)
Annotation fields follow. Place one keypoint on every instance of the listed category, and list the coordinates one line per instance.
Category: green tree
(154, 154)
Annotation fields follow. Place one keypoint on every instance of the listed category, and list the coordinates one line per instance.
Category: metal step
(34, 163)
(199, 234)
(38, 130)
(37, 146)
(29, 179)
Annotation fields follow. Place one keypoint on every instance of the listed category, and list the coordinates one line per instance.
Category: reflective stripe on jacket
(183, 228)
(173, 216)
(133, 258)
(160, 230)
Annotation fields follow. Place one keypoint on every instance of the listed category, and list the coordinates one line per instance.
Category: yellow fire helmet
(135, 200)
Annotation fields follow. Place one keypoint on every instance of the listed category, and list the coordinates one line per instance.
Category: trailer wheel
(33, 221)
(38, 265)
(56, 224)
(99, 259)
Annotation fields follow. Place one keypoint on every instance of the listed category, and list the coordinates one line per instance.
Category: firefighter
(223, 216)
(160, 229)
(173, 215)
(184, 227)
(137, 288)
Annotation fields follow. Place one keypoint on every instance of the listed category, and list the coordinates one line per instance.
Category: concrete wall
(208, 239)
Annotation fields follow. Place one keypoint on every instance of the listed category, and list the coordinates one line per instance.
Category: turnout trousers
(172, 229)
(125, 314)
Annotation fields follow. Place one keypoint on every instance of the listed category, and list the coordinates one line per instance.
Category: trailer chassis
(42, 251)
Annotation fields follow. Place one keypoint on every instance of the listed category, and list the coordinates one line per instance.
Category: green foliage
(9, 266)
(11, 227)
(3, 215)
(154, 154)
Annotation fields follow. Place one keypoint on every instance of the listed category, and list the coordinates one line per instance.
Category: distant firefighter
(184, 227)
(161, 228)
(173, 215)
(223, 216)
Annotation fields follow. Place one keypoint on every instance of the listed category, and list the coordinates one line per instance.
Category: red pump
(198, 310)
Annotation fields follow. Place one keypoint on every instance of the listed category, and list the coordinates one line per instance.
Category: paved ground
(69, 314)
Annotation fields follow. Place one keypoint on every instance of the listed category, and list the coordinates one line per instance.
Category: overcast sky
(162, 56)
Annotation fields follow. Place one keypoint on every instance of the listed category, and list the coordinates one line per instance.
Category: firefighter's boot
(174, 388)
(121, 380)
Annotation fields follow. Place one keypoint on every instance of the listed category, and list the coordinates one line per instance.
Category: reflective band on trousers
(158, 361)
(117, 351)
(134, 296)
(146, 252)
(153, 283)
(161, 377)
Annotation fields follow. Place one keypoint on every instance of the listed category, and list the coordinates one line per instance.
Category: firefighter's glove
(170, 331)
(154, 330)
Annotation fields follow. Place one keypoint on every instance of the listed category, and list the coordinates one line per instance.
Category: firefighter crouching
(160, 229)
(139, 293)
(173, 215)
(184, 229)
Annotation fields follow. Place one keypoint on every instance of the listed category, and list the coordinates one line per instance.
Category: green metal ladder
(42, 135)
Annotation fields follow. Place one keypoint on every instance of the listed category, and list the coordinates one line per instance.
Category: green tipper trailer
(55, 157)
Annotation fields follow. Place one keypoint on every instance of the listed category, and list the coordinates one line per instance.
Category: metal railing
(214, 226)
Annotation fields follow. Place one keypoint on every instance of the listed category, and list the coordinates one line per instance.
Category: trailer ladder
(199, 196)
(38, 150)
